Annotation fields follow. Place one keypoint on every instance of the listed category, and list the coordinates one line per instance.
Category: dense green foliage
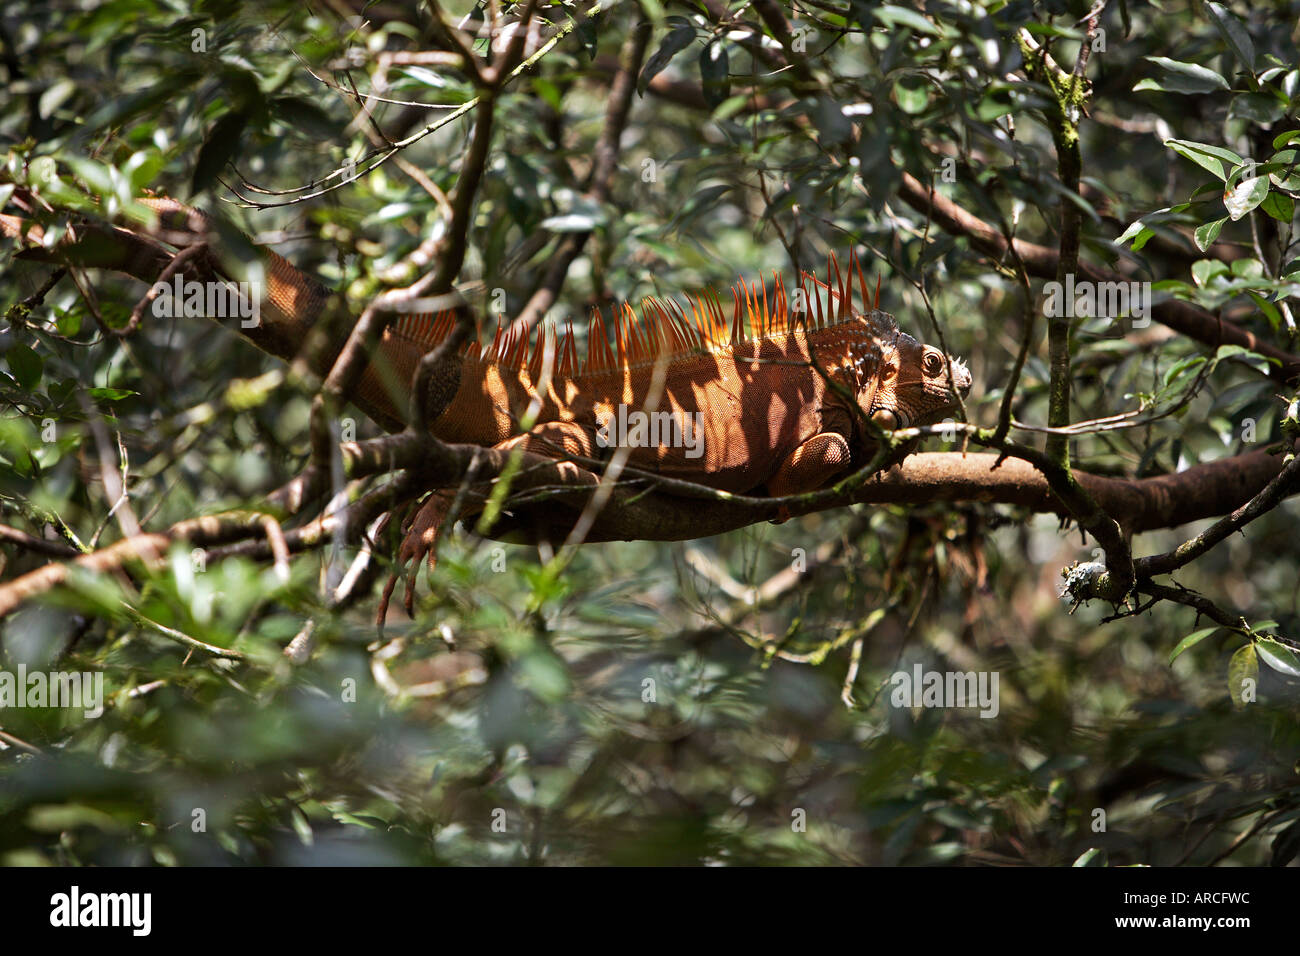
(396, 748)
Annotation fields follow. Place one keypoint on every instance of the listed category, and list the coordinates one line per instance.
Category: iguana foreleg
(811, 465)
(819, 459)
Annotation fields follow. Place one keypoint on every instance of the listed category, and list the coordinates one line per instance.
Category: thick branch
(148, 548)
(548, 496)
(1144, 504)
(1285, 483)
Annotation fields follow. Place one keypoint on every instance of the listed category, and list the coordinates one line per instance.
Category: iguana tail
(296, 318)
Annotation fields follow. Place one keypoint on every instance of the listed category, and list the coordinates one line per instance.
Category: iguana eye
(932, 363)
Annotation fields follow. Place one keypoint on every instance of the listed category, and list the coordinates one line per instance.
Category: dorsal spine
(664, 327)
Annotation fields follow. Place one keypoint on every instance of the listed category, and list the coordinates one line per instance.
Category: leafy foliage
(641, 707)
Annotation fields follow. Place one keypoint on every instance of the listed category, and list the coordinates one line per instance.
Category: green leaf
(1261, 108)
(1290, 136)
(912, 95)
(548, 91)
(369, 823)
(110, 394)
(1182, 367)
(1191, 640)
(1204, 155)
(25, 365)
(1142, 239)
(996, 102)
(67, 323)
(1232, 30)
(1208, 232)
(1268, 308)
(1136, 228)
(305, 117)
(1260, 363)
(1286, 845)
(703, 200)
(679, 38)
(53, 818)
(1095, 856)
(1183, 77)
(715, 76)
(142, 167)
(570, 222)
(42, 170)
(895, 16)
(1242, 667)
(1278, 656)
(54, 97)
(1280, 206)
(589, 34)
(1286, 178)
(1248, 194)
(1175, 287)
(1224, 352)
(95, 175)
(122, 108)
(1203, 270)
(832, 125)
(217, 150)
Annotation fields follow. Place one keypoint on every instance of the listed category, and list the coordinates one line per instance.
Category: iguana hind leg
(420, 542)
(554, 440)
(419, 538)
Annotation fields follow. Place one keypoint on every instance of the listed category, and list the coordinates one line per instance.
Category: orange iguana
(743, 405)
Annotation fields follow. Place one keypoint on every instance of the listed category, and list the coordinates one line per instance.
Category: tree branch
(1042, 262)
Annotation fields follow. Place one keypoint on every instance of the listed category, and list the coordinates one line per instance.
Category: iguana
(773, 401)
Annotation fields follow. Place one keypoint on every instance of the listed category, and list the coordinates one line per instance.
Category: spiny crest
(665, 326)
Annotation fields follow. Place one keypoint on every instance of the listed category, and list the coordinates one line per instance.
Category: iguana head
(898, 381)
(915, 384)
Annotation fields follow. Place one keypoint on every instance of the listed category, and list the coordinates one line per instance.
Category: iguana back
(736, 400)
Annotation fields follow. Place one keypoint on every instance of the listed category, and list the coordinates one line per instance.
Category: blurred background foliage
(509, 721)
